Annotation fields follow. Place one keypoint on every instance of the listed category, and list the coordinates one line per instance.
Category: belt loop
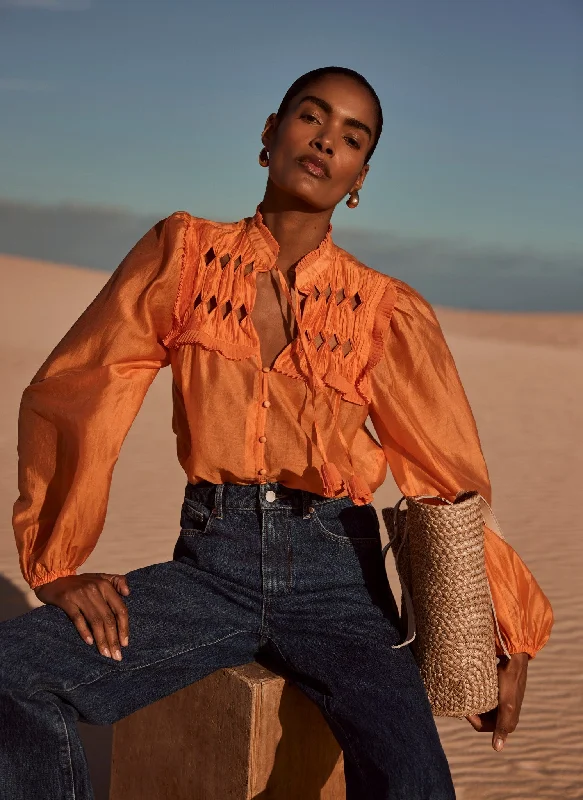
(219, 500)
(305, 504)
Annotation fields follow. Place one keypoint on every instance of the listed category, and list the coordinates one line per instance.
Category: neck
(297, 227)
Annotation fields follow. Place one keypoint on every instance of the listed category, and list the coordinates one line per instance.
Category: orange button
(266, 403)
(263, 439)
(263, 471)
(266, 369)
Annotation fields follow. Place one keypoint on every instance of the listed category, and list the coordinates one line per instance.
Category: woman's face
(317, 150)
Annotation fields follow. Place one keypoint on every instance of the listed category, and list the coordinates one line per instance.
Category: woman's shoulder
(405, 297)
(202, 224)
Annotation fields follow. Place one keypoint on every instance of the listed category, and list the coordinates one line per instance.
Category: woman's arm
(421, 414)
(79, 406)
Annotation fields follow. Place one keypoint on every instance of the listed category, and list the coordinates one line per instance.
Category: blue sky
(156, 105)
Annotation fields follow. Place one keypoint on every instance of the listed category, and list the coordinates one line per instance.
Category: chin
(308, 195)
(301, 188)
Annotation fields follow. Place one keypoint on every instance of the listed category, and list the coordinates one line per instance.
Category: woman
(281, 344)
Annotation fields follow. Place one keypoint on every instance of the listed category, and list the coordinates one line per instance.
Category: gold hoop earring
(264, 157)
(353, 200)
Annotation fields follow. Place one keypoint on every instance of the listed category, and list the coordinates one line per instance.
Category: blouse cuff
(530, 649)
(43, 576)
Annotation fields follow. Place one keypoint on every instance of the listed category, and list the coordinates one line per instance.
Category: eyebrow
(325, 106)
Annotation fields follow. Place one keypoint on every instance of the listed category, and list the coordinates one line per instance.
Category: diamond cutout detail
(339, 296)
(333, 342)
(347, 347)
(318, 341)
(241, 313)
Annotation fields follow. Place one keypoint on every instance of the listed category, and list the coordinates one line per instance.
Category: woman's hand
(511, 685)
(92, 601)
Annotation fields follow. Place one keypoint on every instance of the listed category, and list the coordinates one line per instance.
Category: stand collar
(266, 250)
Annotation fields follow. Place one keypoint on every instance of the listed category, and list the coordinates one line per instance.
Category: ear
(360, 180)
(269, 130)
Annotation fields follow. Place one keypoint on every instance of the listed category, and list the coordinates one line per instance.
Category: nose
(324, 145)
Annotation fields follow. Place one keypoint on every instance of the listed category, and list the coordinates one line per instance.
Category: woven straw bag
(446, 603)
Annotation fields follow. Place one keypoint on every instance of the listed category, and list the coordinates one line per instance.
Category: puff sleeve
(429, 436)
(78, 408)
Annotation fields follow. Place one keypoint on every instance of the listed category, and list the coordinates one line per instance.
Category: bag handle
(411, 632)
(489, 519)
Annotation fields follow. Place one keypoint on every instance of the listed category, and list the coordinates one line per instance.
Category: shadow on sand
(96, 739)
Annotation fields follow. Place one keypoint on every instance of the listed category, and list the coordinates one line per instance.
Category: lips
(315, 166)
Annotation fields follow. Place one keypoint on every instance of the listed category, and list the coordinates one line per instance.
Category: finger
(93, 614)
(120, 610)
(104, 619)
(118, 581)
(121, 584)
(511, 686)
(109, 620)
(76, 616)
(506, 719)
(503, 727)
(484, 723)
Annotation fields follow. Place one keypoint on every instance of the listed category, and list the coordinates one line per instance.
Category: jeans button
(270, 496)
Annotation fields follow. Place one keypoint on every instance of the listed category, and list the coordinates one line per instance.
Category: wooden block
(242, 733)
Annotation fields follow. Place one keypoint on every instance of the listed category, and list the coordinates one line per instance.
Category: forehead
(346, 96)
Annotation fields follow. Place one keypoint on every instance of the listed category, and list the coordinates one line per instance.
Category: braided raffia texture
(454, 645)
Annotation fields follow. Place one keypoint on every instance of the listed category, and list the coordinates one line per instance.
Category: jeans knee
(16, 671)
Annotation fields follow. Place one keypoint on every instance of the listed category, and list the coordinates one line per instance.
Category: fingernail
(125, 641)
(499, 744)
(89, 639)
(117, 655)
(106, 652)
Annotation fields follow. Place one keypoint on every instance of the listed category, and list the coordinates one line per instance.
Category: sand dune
(524, 377)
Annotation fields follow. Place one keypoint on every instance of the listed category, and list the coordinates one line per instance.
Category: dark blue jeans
(262, 572)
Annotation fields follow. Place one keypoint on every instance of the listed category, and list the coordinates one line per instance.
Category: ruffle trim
(287, 364)
(382, 320)
(176, 321)
(231, 350)
(335, 380)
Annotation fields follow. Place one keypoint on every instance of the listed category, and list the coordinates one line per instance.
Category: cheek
(289, 177)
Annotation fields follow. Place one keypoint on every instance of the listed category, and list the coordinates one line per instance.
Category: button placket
(261, 438)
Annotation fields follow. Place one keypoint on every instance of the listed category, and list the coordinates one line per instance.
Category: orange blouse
(367, 344)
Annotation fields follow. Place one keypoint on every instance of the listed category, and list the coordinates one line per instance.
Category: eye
(352, 142)
(309, 117)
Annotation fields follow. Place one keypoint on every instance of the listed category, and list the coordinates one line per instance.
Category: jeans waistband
(257, 495)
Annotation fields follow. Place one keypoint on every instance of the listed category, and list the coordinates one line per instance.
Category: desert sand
(523, 374)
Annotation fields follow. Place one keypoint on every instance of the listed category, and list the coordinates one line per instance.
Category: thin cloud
(48, 5)
(25, 85)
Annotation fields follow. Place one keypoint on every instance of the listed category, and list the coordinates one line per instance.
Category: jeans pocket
(196, 518)
(346, 523)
